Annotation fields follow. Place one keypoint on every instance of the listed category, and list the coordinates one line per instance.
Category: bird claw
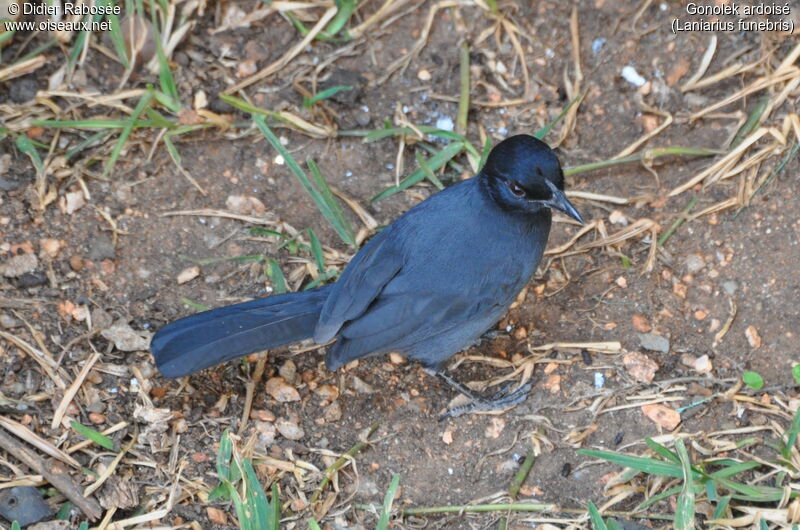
(500, 400)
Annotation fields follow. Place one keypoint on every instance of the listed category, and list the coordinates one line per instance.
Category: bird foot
(500, 400)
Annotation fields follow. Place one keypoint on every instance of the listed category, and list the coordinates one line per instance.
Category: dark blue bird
(427, 286)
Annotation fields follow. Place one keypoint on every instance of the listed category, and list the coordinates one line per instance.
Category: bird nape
(427, 286)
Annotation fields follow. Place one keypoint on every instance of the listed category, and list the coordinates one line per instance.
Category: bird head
(523, 175)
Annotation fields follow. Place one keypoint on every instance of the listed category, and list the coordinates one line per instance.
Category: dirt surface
(747, 259)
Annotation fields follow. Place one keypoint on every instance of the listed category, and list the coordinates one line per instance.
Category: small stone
(266, 432)
(641, 324)
(654, 342)
(217, 516)
(730, 287)
(424, 75)
(703, 365)
(50, 247)
(694, 263)
(396, 358)
(753, 338)
(521, 333)
(199, 458)
(18, 265)
(616, 217)
(188, 274)
(97, 418)
(641, 367)
(262, 415)
(332, 412)
(495, 427)
(328, 394)
(361, 386)
(289, 429)
(281, 391)
(700, 314)
(73, 202)
(9, 322)
(621, 282)
(126, 338)
(76, 263)
(246, 68)
(362, 118)
(447, 437)
(288, 371)
(245, 205)
(553, 383)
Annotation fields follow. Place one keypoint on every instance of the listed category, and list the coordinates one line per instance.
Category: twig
(250, 391)
(54, 472)
(72, 390)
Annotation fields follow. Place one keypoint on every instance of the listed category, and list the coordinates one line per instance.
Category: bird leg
(500, 400)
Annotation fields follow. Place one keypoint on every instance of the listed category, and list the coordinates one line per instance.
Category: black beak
(560, 202)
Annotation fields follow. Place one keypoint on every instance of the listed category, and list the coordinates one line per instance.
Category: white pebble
(632, 76)
(445, 123)
(599, 380)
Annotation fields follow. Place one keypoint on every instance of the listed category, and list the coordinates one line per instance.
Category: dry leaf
(216, 516)
(125, 338)
(664, 416)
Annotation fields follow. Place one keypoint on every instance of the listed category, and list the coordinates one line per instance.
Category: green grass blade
(318, 195)
(118, 40)
(386, 512)
(275, 274)
(596, 518)
(346, 8)
(662, 451)
(316, 251)
(257, 503)
(194, 305)
(734, 469)
(339, 221)
(647, 465)
(752, 121)
(541, 133)
(100, 439)
(791, 438)
(487, 148)
(388, 132)
(126, 131)
(274, 521)
(325, 94)
(684, 512)
(428, 171)
(313, 525)
(224, 456)
(722, 507)
(435, 162)
(25, 145)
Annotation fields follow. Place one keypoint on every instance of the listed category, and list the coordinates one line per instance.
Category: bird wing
(360, 284)
(399, 322)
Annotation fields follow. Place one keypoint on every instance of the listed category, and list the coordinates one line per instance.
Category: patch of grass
(707, 479)
(239, 484)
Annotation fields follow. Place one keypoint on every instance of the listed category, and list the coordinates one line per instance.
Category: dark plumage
(427, 286)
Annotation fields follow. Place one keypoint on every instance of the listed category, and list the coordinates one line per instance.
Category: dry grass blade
(58, 414)
(22, 68)
(222, 213)
(601, 347)
(288, 56)
(35, 440)
(668, 119)
(725, 162)
(109, 470)
(388, 7)
(47, 363)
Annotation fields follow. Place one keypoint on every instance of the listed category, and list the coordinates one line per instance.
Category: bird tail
(212, 337)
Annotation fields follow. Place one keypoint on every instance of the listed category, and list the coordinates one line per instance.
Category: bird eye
(515, 188)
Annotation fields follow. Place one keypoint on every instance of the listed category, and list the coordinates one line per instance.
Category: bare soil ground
(119, 257)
